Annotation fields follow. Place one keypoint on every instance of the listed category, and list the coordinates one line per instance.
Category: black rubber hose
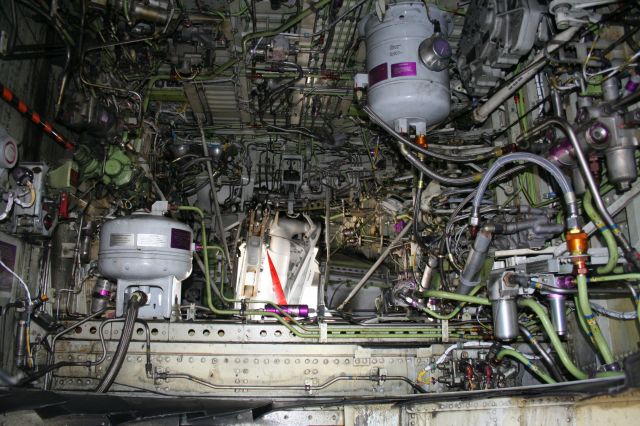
(52, 367)
(416, 213)
(548, 361)
(137, 300)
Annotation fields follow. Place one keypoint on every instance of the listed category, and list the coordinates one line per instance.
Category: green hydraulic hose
(620, 277)
(125, 10)
(598, 338)
(618, 270)
(582, 322)
(458, 297)
(284, 27)
(617, 277)
(218, 249)
(453, 313)
(205, 255)
(612, 246)
(528, 364)
(553, 336)
(289, 322)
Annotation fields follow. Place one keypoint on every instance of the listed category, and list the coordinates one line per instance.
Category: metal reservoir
(147, 252)
(402, 90)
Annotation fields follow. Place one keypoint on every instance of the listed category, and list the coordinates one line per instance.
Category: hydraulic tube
(612, 247)
(137, 300)
(528, 364)
(483, 112)
(553, 336)
(573, 213)
(475, 260)
(598, 338)
(630, 252)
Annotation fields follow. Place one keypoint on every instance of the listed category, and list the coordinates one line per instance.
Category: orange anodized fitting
(577, 242)
(421, 140)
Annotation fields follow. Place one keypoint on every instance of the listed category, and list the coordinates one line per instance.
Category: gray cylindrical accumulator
(475, 260)
(621, 167)
(505, 319)
(145, 246)
(429, 270)
(402, 90)
(558, 311)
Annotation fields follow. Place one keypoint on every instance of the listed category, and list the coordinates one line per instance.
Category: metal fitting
(598, 135)
(577, 242)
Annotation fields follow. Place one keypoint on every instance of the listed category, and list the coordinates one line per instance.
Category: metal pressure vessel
(402, 90)
(145, 246)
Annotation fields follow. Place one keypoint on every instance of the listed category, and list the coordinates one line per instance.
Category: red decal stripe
(277, 286)
(7, 95)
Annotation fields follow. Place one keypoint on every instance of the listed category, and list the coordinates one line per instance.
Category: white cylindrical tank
(402, 90)
(144, 247)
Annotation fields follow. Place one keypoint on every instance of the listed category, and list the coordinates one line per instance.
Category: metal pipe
(415, 161)
(630, 252)
(137, 300)
(52, 354)
(322, 285)
(375, 266)
(305, 388)
(481, 113)
(284, 27)
(437, 155)
(565, 186)
(474, 263)
(214, 197)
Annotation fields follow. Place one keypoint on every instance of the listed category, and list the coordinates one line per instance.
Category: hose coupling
(140, 298)
(493, 353)
(578, 245)
(614, 366)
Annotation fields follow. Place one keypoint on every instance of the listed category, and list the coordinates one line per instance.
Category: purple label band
(403, 69)
(104, 292)
(377, 74)
(180, 239)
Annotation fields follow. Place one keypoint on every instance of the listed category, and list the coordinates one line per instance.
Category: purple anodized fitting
(562, 153)
(399, 226)
(293, 310)
(632, 85)
(565, 281)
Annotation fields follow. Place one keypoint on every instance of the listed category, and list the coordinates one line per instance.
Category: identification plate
(152, 240)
